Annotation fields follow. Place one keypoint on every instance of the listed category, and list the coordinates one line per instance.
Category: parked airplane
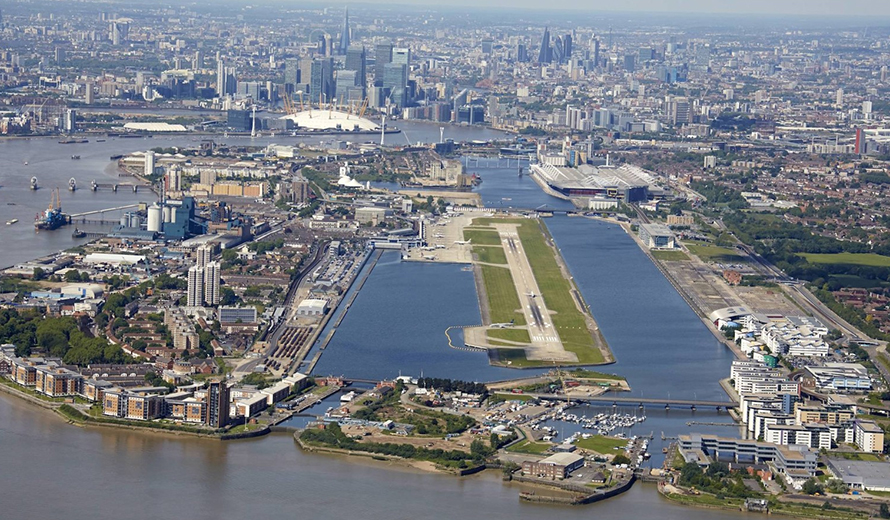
(463, 242)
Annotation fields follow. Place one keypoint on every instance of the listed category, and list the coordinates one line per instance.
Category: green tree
(884, 511)
(811, 487)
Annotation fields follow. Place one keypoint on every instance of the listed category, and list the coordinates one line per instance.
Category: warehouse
(312, 308)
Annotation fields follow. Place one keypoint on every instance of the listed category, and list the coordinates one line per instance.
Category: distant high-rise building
(198, 60)
(357, 60)
(629, 63)
(149, 163)
(680, 111)
(703, 56)
(325, 45)
(558, 50)
(595, 51)
(211, 283)
(89, 96)
(884, 74)
(346, 80)
(291, 73)
(401, 56)
(395, 80)
(173, 177)
(383, 55)
(221, 77)
(70, 122)
(839, 98)
(521, 53)
(567, 46)
(344, 33)
(545, 52)
(120, 32)
(321, 82)
(217, 404)
(203, 254)
(195, 293)
(487, 44)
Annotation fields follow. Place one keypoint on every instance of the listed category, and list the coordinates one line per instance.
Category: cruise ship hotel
(625, 182)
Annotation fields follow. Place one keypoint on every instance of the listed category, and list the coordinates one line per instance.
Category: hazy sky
(864, 8)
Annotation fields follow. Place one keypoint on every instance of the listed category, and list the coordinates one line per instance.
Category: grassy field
(601, 444)
(670, 256)
(869, 259)
(527, 446)
(500, 291)
(491, 254)
(518, 335)
(710, 253)
(580, 373)
(482, 237)
(515, 357)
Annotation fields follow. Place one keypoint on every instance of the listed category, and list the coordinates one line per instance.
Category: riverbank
(684, 294)
(64, 409)
(784, 508)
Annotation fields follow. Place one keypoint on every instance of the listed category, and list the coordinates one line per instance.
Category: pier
(615, 401)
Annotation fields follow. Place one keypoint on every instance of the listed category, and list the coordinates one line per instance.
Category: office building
(120, 32)
(357, 60)
(382, 56)
(321, 81)
(237, 315)
(347, 80)
(395, 81)
(545, 52)
(657, 236)
(195, 294)
(344, 33)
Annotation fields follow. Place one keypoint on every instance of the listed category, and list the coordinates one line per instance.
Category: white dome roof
(316, 119)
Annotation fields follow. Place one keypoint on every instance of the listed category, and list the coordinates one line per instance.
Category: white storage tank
(168, 214)
(155, 218)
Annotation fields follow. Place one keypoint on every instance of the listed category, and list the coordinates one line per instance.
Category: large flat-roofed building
(237, 314)
(841, 377)
(657, 236)
(312, 307)
(559, 465)
(626, 182)
(704, 449)
(861, 475)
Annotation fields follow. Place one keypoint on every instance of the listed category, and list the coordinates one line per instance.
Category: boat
(26, 163)
(468, 268)
(72, 184)
(52, 217)
(75, 157)
(347, 397)
(78, 233)
(33, 182)
(100, 140)
(11, 222)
